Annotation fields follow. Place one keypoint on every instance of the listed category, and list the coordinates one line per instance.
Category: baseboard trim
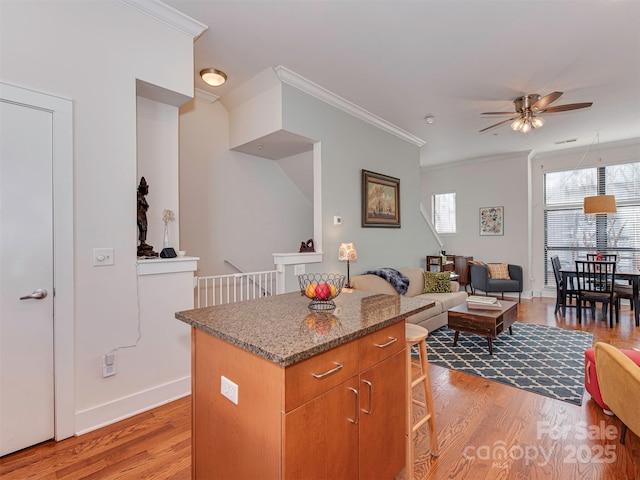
(125, 407)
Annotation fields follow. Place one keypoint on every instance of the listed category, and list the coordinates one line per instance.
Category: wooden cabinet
(382, 417)
(436, 263)
(454, 263)
(337, 434)
(339, 414)
(462, 269)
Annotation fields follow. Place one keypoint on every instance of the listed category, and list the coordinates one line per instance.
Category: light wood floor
(475, 418)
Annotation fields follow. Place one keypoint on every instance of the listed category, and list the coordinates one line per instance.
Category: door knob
(37, 294)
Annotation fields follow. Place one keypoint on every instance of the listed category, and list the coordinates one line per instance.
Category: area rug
(541, 359)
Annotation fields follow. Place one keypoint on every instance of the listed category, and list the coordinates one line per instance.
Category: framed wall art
(380, 200)
(492, 221)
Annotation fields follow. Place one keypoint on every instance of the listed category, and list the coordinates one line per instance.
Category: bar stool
(416, 335)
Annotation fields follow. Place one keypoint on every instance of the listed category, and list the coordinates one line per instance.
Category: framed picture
(492, 221)
(380, 200)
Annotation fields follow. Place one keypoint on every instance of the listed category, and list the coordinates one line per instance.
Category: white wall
(234, 206)
(157, 139)
(92, 53)
(496, 181)
(595, 156)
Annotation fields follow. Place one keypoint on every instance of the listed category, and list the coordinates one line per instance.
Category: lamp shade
(600, 204)
(347, 251)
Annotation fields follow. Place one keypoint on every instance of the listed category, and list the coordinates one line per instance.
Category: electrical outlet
(229, 389)
(108, 364)
(299, 269)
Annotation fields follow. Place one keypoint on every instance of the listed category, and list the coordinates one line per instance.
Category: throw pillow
(477, 262)
(499, 271)
(437, 282)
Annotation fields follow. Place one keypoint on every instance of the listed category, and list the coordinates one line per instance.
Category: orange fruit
(310, 291)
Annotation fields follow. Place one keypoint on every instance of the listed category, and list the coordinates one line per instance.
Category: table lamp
(347, 251)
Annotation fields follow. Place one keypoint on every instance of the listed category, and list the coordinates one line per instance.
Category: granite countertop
(284, 330)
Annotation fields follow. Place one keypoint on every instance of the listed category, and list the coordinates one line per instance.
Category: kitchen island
(280, 391)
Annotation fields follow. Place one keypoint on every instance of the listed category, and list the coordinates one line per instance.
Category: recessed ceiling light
(213, 77)
(429, 119)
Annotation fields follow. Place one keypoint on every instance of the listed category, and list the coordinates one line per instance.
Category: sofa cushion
(437, 282)
(372, 283)
(416, 281)
(445, 300)
(499, 271)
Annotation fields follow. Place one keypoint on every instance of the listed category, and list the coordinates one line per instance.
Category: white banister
(235, 287)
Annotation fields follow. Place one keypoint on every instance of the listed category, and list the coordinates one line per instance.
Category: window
(444, 212)
(570, 234)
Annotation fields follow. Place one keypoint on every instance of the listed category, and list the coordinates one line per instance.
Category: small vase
(165, 242)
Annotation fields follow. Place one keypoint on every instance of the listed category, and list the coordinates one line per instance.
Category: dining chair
(564, 293)
(596, 284)
(624, 291)
(604, 257)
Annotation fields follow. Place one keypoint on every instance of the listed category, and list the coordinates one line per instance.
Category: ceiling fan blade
(567, 107)
(546, 100)
(497, 124)
(499, 113)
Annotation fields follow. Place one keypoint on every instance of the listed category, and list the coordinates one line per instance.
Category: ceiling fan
(528, 109)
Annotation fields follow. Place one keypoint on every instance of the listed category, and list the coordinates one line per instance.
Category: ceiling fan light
(526, 128)
(537, 122)
(517, 124)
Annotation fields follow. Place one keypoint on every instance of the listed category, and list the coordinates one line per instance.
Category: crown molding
(205, 96)
(291, 78)
(168, 15)
(471, 161)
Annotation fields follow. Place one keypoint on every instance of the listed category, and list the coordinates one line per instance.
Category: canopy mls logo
(500, 455)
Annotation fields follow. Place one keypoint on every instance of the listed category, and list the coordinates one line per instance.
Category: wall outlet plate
(299, 269)
(109, 365)
(228, 389)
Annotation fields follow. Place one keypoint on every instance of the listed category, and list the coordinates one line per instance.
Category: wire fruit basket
(321, 288)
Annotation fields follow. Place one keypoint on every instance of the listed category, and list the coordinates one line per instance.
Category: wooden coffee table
(486, 323)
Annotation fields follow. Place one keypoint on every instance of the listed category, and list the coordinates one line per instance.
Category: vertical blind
(570, 234)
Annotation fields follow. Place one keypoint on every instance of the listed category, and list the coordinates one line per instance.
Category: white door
(26, 270)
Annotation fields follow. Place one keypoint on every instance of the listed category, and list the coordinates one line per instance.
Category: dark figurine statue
(307, 246)
(144, 250)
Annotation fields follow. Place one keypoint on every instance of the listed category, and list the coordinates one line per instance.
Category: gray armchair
(480, 280)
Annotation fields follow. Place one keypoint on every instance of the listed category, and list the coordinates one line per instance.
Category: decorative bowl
(321, 288)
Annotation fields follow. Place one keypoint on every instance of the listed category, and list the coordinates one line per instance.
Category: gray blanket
(394, 277)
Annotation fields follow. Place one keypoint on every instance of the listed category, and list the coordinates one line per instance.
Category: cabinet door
(382, 418)
(320, 438)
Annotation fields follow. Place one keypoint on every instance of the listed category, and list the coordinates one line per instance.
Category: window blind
(444, 212)
(570, 234)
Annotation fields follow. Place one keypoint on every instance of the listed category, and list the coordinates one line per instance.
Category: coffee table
(486, 323)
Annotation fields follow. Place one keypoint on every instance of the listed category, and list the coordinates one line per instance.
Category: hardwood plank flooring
(541, 438)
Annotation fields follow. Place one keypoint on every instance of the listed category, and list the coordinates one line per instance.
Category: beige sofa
(431, 319)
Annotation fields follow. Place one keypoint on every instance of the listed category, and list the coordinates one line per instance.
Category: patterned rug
(541, 359)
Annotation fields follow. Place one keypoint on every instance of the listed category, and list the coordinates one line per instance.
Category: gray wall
(348, 146)
(497, 181)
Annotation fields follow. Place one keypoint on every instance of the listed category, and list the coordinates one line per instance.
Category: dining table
(633, 277)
